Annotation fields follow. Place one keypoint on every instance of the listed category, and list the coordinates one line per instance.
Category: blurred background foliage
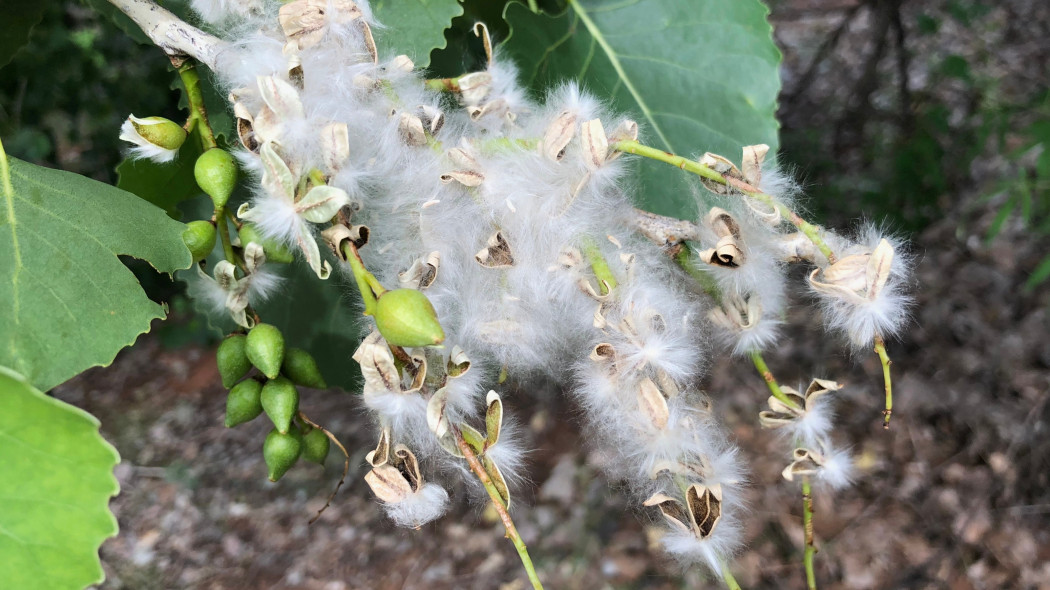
(891, 109)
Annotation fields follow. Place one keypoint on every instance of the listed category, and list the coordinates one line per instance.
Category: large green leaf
(19, 18)
(68, 302)
(698, 76)
(414, 27)
(55, 489)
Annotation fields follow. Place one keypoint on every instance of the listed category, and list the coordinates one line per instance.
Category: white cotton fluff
(420, 507)
(221, 11)
(276, 219)
(838, 470)
(815, 424)
(886, 314)
(716, 551)
(531, 318)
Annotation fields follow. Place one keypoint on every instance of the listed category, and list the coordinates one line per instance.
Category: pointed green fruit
(216, 174)
(301, 368)
(232, 360)
(243, 403)
(199, 237)
(265, 349)
(280, 401)
(274, 251)
(315, 446)
(405, 317)
(281, 451)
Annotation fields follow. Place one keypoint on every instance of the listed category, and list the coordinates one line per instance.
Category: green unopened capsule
(199, 237)
(280, 401)
(265, 349)
(232, 360)
(281, 451)
(405, 317)
(301, 368)
(316, 446)
(243, 403)
(216, 174)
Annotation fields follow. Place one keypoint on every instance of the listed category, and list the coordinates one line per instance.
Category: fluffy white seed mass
(501, 210)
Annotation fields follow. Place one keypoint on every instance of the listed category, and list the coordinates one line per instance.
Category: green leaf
(56, 485)
(180, 8)
(19, 19)
(698, 76)
(68, 302)
(118, 18)
(413, 27)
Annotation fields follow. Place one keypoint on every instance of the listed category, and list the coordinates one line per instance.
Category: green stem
(606, 280)
(880, 349)
(767, 375)
(501, 509)
(367, 284)
(728, 578)
(807, 524)
(443, 84)
(223, 227)
(534, 6)
(812, 232)
(686, 259)
(191, 80)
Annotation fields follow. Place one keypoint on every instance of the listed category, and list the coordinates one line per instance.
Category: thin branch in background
(851, 123)
(825, 49)
(907, 120)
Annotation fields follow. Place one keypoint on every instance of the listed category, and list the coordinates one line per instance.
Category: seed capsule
(232, 360)
(216, 174)
(265, 349)
(243, 403)
(301, 368)
(316, 446)
(280, 401)
(274, 252)
(405, 317)
(157, 131)
(281, 451)
(199, 237)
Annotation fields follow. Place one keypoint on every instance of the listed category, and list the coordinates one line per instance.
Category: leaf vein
(615, 61)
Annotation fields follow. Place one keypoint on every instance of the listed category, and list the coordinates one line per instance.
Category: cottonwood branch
(170, 33)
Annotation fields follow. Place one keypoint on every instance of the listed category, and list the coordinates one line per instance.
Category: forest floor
(956, 495)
